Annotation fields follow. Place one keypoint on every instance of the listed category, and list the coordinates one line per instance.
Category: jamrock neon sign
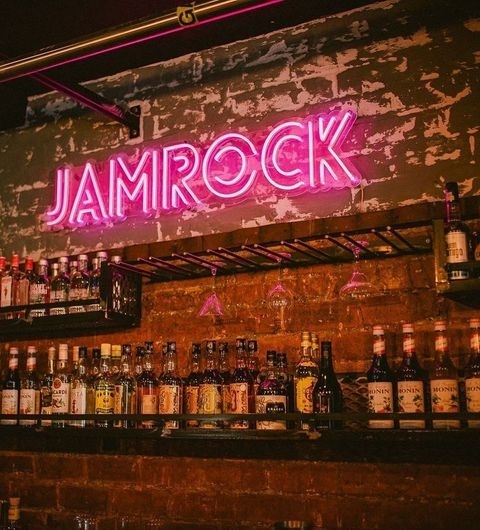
(294, 157)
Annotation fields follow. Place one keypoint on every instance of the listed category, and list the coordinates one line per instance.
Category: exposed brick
(113, 468)
(59, 467)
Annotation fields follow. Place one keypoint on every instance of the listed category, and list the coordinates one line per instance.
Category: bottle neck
(408, 345)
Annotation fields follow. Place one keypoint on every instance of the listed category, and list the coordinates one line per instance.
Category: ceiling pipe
(123, 36)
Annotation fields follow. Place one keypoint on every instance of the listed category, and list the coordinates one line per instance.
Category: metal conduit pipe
(120, 37)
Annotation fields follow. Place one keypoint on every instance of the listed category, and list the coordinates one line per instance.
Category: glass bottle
(192, 385)
(11, 388)
(456, 233)
(225, 373)
(284, 378)
(79, 283)
(78, 389)
(59, 285)
(61, 387)
(21, 285)
(94, 279)
(125, 389)
(210, 388)
(13, 522)
(46, 388)
(327, 392)
(380, 383)
(30, 388)
(444, 389)
(410, 382)
(5, 284)
(253, 363)
(104, 388)
(93, 369)
(116, 359)
(271, 397)
(472, 373)
(39, 292)
(170, 388)
(305, 377)
(147, 390)
(242, 399)
(138, 368)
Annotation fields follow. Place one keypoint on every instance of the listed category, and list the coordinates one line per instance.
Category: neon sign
(296, 156)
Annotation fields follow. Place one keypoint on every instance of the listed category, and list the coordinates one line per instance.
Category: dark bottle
(11, 388)
(241, 387)
(271, 397)
(253, 362)
(192, 384)
(327, 392)
(457, 234)
(410, 382)
(39, 292)
(472, 373)
(59, 285)
(147, 389)
(444, 390)
(225, 373)
(285, 378)
(46, 388)
(210, 388)
(125, 389)
(380, 383)
(170, 388)
(305, 378)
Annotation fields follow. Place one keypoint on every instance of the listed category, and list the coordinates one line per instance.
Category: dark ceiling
(29, 26)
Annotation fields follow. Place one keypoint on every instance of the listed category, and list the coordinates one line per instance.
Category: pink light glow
(296, 156)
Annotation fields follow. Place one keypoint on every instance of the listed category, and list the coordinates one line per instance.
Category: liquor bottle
(94, 279)
(61, 387)
(472, 373)
(125, 389)
(271, 397)
(104, 386)
(21, 285)
(139, 355)
(39, 292)
(316, 354)
(456, 234)
(11, 388)
(192, 385)
(170, 388)
(410, 379)
(80, 280)
(444, 389)
(5, 284)
(78, 387)
(147, 390)
(116, 359)
(225, 373)
(380, 383)
(210, 388)
(327, 392)
(305, 377)
(59, 285)
(253, 363)
(242, 399)
(46, 388)
(285, 379)
(13, 522)
(30, 388)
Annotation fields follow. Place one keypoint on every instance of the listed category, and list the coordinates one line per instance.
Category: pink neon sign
(296, 156)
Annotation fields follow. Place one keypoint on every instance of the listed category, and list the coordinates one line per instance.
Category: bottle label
(149, 404)
(9, 404)
(410, 400)
(472, 391)
(46, 404)
(191, 403)
(209, 399)
(271, 405)
(456, 246)
(444, 394)
(380, 401)
(78, 400)
(104, 399)
(6, 292)
(38, 293)
(304, 394)
(29, 399)
(239, 400)
(60, 396)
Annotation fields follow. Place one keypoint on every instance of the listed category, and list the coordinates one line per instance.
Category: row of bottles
(62, 281)
(116, 382)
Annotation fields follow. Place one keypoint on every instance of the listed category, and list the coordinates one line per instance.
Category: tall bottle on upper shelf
(457, 234)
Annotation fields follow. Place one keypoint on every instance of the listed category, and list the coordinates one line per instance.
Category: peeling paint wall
(410, 72)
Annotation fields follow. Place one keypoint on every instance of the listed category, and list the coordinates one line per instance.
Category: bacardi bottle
(61, 388)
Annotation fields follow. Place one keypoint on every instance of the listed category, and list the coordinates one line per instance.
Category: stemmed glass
(212, 306)
(358, 286)
(279, 299)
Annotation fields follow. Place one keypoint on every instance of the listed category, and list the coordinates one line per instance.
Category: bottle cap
(51, 353)
(63, 259)
(43, 261)
(29, 264)
(440, 325)
(378, 330)
(474, 323)
(15, 262)
(82, 257)
(102, 255)
(63, 352)
(31, 350)
(407, 328)
(75, 353)
(13, 350)
(116, 350)
(105, 349)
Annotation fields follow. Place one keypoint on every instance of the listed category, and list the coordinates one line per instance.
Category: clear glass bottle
(78, 390)
(125, 389)
(94, 279)
(457, 234)
(472, 373)
(444, 390)
(170, 388)
(147, 390)
(39, 292)
(305, 377)
(21, 286)
(225, 371)
(104, 388)
(30, 388)
(79, 283)
(210, 388)
(192, 384)
(46, 388)
(242, 399)
(271, 397)
(61, 387)
(11, 388)
(410, 382)
(380, 383)
(5, 284)
(327, 392)
(59, 285)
